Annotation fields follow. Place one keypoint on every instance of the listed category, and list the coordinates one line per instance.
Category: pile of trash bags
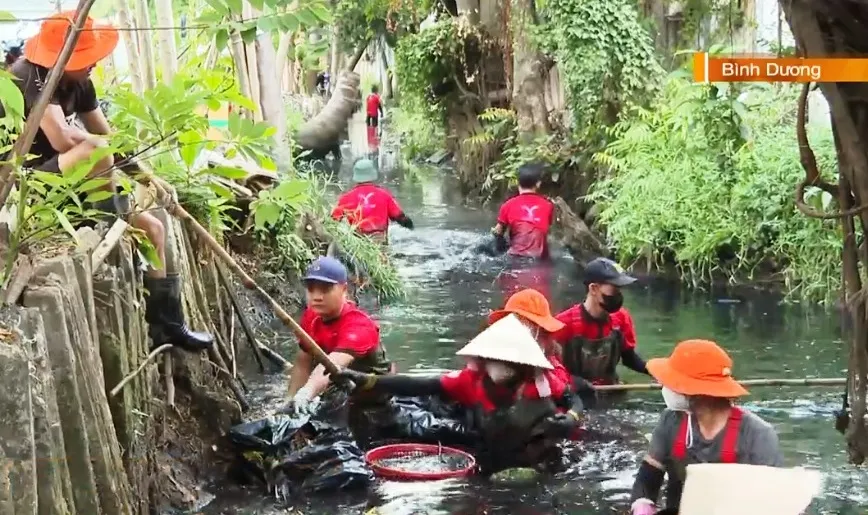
(319, 452)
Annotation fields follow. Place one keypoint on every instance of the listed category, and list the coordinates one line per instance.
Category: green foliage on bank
(705, 182)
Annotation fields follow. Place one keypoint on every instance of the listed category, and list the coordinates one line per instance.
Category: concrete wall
(67, 447)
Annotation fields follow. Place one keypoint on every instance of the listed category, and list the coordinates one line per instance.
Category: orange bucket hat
(95, 42)
(533, 306)
(697, 367)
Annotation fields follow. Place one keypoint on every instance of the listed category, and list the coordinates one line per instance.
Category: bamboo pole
(236, 308)
(308, 344)
(125, 18)
(31, 124)
(827, 381)
(143, 25)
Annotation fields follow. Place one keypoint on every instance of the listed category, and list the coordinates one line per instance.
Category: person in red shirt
(526, 217)
(369, 207)
(599, 333)
(532, 309)
(346, 333)
(511, 390)
(374, 108)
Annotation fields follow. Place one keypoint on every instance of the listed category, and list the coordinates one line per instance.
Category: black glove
(404, 221)
(583, 386)
(360, 380)
(561, 425)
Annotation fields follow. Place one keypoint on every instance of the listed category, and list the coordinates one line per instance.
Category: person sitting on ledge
(59, 146)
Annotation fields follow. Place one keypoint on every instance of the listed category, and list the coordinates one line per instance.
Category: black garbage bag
(420, 419)
(293, 454)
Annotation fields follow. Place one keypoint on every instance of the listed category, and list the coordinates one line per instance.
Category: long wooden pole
(31, 125)
(179, 212)
(828, 381)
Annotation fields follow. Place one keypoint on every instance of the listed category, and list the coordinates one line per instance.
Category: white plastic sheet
(727, 489)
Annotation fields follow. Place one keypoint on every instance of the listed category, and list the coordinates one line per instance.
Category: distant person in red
(369, 207)
(599, 333)
(526, 217)
(374, 108)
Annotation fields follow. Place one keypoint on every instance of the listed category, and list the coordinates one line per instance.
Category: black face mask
(612, 303)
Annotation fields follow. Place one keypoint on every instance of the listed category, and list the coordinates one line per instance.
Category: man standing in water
(369, 207)
(60, 147)
(346, 333)
(526, 217)
(599, 333)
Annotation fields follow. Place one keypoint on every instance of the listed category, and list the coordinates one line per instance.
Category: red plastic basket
(404, 450)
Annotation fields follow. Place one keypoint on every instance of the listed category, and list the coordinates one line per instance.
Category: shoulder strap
(679, 445)
(730, 436)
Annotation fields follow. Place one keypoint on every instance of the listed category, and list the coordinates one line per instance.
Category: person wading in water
(526, 217)
(599, 333)
(346, 333)
(369, 207)
(700, 424)
(532, 309)
(511, 390)
(60, 146)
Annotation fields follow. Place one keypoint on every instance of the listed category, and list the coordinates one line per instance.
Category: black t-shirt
(73, 97)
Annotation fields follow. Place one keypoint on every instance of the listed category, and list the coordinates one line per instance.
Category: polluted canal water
(451, 290)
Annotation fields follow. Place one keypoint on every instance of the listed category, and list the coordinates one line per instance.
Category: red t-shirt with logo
(578, 323)
(373, 104)
(353, 332)
(368, 207)
(466, 387)
(528, 217)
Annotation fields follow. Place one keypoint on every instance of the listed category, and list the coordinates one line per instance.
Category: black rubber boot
(165, 316)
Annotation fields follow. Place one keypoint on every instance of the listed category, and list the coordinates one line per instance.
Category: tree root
(812, 172)
(153, 355)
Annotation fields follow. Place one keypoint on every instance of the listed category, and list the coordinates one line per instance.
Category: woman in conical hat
(701, 424)
(513, 393)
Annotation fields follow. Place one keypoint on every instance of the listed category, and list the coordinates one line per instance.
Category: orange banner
(772, 69)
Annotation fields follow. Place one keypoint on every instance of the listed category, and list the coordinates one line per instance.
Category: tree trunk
(252, 65)
(239, 57)
(528, 93)
(143, 25)
(837, 28)
(166, 38)
(323, 131)
(272, 101)
(134, 57)
(282, 55)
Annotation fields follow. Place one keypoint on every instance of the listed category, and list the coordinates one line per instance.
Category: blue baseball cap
(327, 270)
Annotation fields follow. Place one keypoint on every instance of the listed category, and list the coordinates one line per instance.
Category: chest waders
(594, 359)
(680, 459)
(507, 430)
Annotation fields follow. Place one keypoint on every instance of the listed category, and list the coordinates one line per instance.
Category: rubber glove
(360, 380)
(643, 507)
(298, 405)
(561, 425)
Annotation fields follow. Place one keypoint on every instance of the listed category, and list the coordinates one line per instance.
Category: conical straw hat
(507, 340)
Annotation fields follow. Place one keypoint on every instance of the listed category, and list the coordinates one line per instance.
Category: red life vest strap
(730, 437)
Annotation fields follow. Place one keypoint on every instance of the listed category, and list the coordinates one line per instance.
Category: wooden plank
(112, 237)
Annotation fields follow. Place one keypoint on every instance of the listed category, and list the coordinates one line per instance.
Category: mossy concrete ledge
(69, 447)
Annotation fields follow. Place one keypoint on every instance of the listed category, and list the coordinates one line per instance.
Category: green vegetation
(704, 182)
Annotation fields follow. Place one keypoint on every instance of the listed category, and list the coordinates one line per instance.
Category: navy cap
(606, 271)
(327, 270)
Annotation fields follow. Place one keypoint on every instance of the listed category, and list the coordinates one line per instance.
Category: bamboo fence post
(247, 12)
